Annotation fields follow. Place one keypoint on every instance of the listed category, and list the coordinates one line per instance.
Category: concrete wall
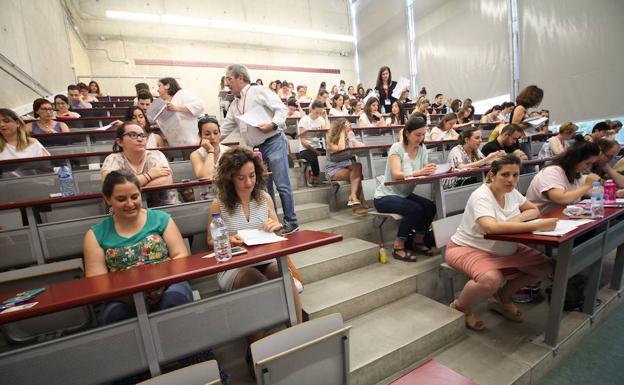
(118, 78)
(34, 38)
(80, 56)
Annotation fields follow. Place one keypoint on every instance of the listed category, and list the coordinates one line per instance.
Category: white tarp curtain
(462, 49)
(574, 50)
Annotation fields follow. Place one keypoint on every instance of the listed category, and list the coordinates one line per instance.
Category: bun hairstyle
(413, 124)
(207, 119)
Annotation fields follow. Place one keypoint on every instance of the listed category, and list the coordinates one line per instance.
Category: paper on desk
(18, 307)
(398, 89)
(104, 128)
(259, 237)
(563, 226)
(442, 168)
(255, 117)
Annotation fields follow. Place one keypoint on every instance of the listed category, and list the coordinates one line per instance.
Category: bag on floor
(575, 293)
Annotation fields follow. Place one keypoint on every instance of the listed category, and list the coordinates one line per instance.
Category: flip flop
(506, 310)
(353, 203)
(408, 257)
(471, 320)
(422, 248)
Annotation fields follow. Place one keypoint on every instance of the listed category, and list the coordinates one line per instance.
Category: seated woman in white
(561, 183)
(497, 269)
(338, 106)
(14, 139)
(558, 144)
(371, 116)
(206, 158)
(444, 130)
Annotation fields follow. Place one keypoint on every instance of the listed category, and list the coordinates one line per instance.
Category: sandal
(507, 310)
(472, 321)
(351, 203)
(407, 257)
(422, 248)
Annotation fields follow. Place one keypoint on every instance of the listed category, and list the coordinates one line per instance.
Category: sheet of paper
(368, 96)
(401, 84)
(259, 237)
(536, 122)
(563, 226)
(155, 109)
(255, 117)
(104, 128)
(442, 168)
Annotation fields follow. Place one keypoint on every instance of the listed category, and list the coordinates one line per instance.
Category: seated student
(508, 141)
(323, 96)
(244, 204)
(76, 100)
(285, 92)
(357, 107)
(464, 116)
(310, 146)
(140, 88)
(136, 115)
(131, 237)
(529, 97)
(505, 113)
(342, 167)
(600, 130)
(558, 144)
(361, 92)
(602, 166)
(45, 124)
(496, 208)
(422, 106)
(301, 95)
(371, 116)
(61, 102)
(444, 130)
(294, 109)
(14, 139)
(404, 97)
(351, 93)
(338, 106)
(84, 93)
(467, 154)
(94, 89)
(492, 115)
(438, 105)
(150, 166)
(206, 158)
(144, 100)
(561, 183)
(614, 128)
(406, 159)
(397, 114)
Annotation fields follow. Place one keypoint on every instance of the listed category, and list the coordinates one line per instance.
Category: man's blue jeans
(275, 153)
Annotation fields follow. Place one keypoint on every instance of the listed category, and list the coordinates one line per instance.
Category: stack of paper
(563, 226)
(259, 237)
(255, 117)
(400, 86)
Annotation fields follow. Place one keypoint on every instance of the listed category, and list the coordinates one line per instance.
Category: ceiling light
(190, 21)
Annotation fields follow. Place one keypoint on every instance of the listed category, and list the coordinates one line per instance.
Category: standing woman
(497, 269)
(385, 88)
(529, 97)
(14, 139)
(44, 111)
(206, 158)
(187, 108)
(340, 137)
(371, 116)
(149, 166)
(132, 237)
(407, 159)
(136, 115)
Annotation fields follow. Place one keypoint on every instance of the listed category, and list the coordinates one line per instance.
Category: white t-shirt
(35, 150)
(482, 203)
(311, 124)
(184, 132)
(547, 179)
(438, 134)
(335, 112)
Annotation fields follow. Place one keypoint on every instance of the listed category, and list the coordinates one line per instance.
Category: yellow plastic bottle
(383, 254)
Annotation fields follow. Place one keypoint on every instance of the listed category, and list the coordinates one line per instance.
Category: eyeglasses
(134, 135)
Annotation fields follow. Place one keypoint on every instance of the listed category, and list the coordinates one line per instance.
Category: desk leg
(369, 159)
(591, 289)
(288, 288)
(146, 333)
(438, 198)
(35, 241)
(555, 312)
(618, 269)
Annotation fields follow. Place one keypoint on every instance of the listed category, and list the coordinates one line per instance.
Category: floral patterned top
(143, 248)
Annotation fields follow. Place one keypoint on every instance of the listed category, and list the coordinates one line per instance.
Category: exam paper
(398, 89)
(259, 237)
(563, 226)
(255, 117)
(442, 168)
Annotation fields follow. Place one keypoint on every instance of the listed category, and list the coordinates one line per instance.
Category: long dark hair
(119, 134)
(174, 87)
(118, 177)
(367, 109)
(379, 81)
(578, 152)
(230, 163)
(507, 159)
(413, 124)
(401, 119)
(130, 115)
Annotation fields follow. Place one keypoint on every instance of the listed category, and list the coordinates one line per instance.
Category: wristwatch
(274, 126)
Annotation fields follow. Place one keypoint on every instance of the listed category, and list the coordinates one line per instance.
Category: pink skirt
(475, 262)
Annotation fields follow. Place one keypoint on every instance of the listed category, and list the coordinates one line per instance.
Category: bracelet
(148, 176)
(209, 152)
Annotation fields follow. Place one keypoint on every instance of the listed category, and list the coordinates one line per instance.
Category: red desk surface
(78, 292)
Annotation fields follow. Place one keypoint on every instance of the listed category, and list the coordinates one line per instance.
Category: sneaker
(290, 227)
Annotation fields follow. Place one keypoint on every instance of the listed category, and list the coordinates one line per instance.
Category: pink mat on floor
(433, 373)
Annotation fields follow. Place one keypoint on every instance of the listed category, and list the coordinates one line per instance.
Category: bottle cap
(381, 245)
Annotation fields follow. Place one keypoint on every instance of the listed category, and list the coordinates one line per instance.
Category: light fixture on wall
(188, 21)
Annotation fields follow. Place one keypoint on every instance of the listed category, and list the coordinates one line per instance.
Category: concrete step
(359, 291)
(337, 258)
(308, 212)
(346, 224)
(393, 337)
(307, 195)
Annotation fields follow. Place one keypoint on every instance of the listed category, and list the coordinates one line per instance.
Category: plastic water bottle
(383, 254)
(221, 238)
(609, 192)
(66, 180)
(597, 200)
(407, 167)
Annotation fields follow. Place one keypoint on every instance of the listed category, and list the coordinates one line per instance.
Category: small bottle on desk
(597, 200)
(609, 192)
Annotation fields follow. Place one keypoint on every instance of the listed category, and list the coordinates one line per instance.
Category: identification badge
(387, 102)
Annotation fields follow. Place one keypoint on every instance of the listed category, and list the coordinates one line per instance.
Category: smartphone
(236, 250)
(23, 296)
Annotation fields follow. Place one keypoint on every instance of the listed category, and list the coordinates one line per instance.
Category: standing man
(268, 137)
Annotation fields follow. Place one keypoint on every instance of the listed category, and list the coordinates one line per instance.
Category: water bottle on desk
(407, 167)
(609, 192)
(66, 180)
(221, 238)
(597, 200)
